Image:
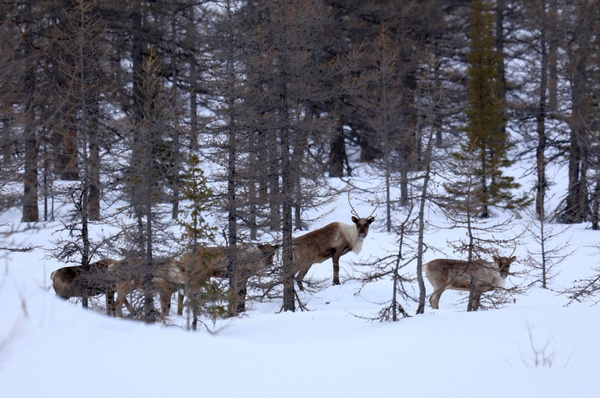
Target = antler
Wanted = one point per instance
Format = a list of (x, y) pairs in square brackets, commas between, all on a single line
[(355, 213), (376, 207), (353, 210)]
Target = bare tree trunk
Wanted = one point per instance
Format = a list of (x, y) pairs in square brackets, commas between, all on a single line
[(30, 178), (579, 67), (300, 144), (595, 216), (289, 299), (553, 43), (150, 314), (541, 184), (289, 294), (575, 210), (404, 168), (500, 9), (176, 137), (30, 181), (388, 200), (68, 155), (421, 237), (94, 162), (193, 90), (396, 277), (85, 238), (253, 196), (337, 151), (471, 265), (274, 188), (238, 305), (175, 176)]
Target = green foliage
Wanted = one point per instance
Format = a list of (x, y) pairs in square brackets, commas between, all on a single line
[(195, 189), (485, 88), (488, 141), (463, 191), (208, 298)]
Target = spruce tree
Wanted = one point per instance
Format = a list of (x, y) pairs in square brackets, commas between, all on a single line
[(201, 292), (487, 136), (195, 189)]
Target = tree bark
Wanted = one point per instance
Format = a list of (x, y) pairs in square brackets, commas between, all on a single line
[(541, 184), (94, 162), (30, 178), (337, 152)]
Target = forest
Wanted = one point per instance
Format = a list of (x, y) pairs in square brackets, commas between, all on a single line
[(167, 111)]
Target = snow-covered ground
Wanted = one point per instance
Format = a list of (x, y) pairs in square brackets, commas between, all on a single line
[(53, 348)]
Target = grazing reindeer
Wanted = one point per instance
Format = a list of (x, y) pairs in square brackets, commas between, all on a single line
[(455, 274), (167, 277), (74, 282), (332, 241), (212, 262)]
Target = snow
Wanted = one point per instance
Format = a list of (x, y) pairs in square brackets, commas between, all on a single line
[(52, 348)]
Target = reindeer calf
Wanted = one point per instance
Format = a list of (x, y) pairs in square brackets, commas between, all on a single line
[(455, 274)]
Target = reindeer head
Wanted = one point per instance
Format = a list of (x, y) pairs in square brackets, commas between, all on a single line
[(362, 224), (503, 264), (268, 252)]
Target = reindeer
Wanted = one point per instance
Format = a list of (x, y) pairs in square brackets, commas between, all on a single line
[(75, 282), (167, 277), (213, 262), (332, 241), (455, 274)]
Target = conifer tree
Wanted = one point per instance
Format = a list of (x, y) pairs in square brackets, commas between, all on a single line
[(198, 194), (195, 189), (487, 136), (461, 207), (148, 170)]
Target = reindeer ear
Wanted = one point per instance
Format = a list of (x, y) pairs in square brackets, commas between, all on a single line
[(354, 219), (513, 258), (370, 219)]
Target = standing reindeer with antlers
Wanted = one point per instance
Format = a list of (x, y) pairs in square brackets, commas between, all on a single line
[(332, 241)]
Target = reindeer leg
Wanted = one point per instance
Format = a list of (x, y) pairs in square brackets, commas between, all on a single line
[(242, 294), (434, 300), (110, 303), (336, 269), (165, 303), (119, 305), (122, 290), (476, 299), (301, 274), (179, 302), (129, 307)]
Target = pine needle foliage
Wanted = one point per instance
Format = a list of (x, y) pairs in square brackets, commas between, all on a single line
[(205, 296), (488, 140), (199, 195)]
